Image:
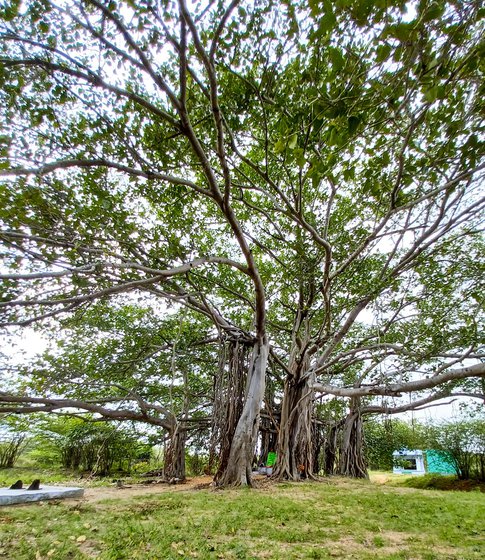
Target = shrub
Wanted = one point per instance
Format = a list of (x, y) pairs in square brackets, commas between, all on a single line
[(85, 445), (465, 443), (13, 439), (196, 464), (440, 482)]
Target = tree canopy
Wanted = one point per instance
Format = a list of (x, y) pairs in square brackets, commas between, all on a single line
[(305, 178)]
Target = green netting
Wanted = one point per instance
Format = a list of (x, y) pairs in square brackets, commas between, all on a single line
[(271, 460)]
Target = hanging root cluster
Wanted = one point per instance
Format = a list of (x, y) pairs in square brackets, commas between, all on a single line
[(229, 389), (352, 460), (174, 456), (295, 446)]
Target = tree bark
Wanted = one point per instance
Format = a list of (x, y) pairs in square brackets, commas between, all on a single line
[(352, 461), (295, 445), (268, 439), (229, 389), (318, 442), (174, 462), (331, 449), (239, 465)]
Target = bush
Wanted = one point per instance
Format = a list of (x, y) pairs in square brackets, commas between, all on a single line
[(196, 464), (440, 482), (465, 443), (41, 453), (85, 445), (10, 449), (13, 439), (100, 449)]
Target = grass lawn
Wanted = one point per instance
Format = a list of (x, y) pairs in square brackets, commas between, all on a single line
[(336, 518)]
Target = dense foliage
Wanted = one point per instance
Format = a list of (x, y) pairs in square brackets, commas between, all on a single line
[(303, 179), (13, 439), (465, 443)]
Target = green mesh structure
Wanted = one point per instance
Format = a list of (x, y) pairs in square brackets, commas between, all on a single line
[(439, 462), (271, 460)]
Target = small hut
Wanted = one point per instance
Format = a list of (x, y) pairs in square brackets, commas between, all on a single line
[(408, 461)]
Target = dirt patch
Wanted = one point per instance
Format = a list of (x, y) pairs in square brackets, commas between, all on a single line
[(92, 495), (89, 549), (380, 478), (387, 542)]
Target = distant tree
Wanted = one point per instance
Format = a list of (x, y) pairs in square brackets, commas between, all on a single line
[(464, 442), (14, 435), (96, 447), (126, 363)]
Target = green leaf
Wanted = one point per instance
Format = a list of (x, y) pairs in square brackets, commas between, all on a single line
[(383, 52), (328, 20), (435, 11), (292, 141), (349, 173), (280, 146), (431, 94), (315, 181), (11, 11), (353, 124), (361, 11), (327, 23), (44, 27), (300, 157), (333, 137), (386, 159), (314, 7), (337, 59), (401, 31)]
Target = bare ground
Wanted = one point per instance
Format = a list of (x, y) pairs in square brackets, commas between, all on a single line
[(96, 494), (93, 494)]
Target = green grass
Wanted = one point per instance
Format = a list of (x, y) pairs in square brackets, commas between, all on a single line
[(333, 519)]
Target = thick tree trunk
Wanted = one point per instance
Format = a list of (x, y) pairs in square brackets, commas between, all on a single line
[(352, 460), (239, 465), (268, 425), (295, 446), (174, 462)]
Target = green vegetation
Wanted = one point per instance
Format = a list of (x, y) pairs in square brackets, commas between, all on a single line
[(462, 441), (75, 444), (13, 436), (334, 519), (48, 476), (440, 482), (465, 443), (187, 185), (382, 438)]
